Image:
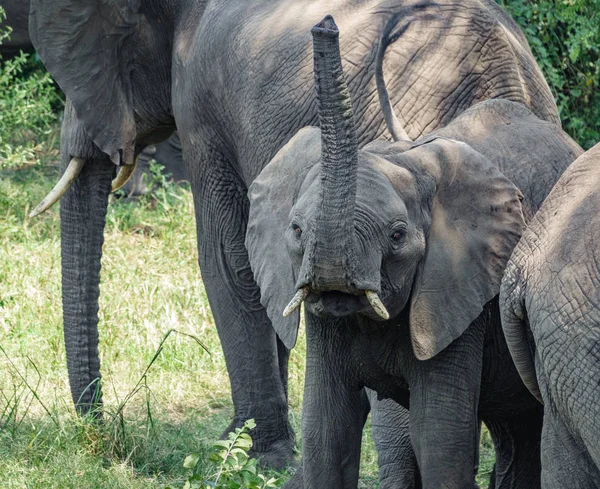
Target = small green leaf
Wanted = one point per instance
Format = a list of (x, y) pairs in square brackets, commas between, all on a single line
[(191, 460), (222, 443)]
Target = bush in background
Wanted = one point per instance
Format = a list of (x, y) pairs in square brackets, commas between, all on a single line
[(564, 36), (27, 98)]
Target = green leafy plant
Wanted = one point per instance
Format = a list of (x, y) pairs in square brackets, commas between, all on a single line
[(27, 99), (232, 467), (5, 31), (565, 39)]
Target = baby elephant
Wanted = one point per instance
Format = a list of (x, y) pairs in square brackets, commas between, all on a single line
[(398, 250), (550, 304)]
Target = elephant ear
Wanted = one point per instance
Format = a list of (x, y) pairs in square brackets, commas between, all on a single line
[(476, 221), (84, 45), (272, 196)]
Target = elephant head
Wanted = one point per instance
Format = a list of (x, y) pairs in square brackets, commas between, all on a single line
[(425, 225), (120, 101)]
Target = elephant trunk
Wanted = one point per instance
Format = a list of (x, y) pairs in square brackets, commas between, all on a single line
[(82, 216), (332, 261)]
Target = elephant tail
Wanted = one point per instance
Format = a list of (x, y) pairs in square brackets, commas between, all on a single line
[(392, 31), (392, 122), (516, 327)]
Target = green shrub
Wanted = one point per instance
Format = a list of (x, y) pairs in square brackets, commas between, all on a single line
[(564, 36), (232, 469), (27, 97)]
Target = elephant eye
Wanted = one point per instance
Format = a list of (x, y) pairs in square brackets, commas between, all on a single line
[(297, 229), (397, 235)]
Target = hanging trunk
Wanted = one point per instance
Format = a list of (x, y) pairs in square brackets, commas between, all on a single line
[(82, 216), (332, 261)]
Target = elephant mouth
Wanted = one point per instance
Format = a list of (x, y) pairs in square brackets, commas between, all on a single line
[(335, 303)]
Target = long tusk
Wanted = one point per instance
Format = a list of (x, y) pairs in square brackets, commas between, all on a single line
[(64, 184), (377, 305), (123, 176), (296, 300)]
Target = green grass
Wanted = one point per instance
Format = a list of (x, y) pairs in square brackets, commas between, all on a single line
[(150, 285)]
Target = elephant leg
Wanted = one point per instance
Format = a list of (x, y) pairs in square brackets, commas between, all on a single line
[(334, 412), (168, 154), (397, 463), (517, 445), (565, 461), (249, 341), (444, 426)]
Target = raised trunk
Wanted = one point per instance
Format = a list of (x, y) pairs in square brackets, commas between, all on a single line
[(334, 234), (82, 216)]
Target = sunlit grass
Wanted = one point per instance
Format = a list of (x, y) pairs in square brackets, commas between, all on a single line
[(151, 285)]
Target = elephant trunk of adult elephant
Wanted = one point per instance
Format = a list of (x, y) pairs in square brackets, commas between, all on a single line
[(82, 216), (331, 264)]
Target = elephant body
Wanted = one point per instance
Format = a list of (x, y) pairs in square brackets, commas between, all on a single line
[(549, 301), (237, 82)]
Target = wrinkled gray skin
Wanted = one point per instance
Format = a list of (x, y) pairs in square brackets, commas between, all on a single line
[(550, 315), (167, 153), (429, 226), (236, 78)]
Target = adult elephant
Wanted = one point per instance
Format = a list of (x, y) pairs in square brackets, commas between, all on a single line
[(398, 250), (236, 78), (549, 301), (167, 153)]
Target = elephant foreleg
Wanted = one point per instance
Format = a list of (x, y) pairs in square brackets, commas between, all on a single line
[(444, 426), (249, 342), (565, 461)]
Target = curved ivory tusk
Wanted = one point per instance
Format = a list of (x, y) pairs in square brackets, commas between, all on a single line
[(123, 176), (64, 184), (296, 300), (376, 304)]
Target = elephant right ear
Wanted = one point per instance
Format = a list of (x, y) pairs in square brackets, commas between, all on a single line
[(84, 46), (272, 196)]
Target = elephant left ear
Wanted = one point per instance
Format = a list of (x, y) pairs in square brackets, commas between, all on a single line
[(476, 221), (272, 196)]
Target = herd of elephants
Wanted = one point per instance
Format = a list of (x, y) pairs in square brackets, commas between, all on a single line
[(402, 172)]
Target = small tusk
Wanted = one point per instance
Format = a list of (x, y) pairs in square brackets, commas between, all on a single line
[(123, 176), (64, 184), (376, 304), (296, 300)]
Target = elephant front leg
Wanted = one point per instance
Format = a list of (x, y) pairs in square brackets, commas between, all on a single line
[(334, 411), (444, 426), (256, 363), (565, 461)]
